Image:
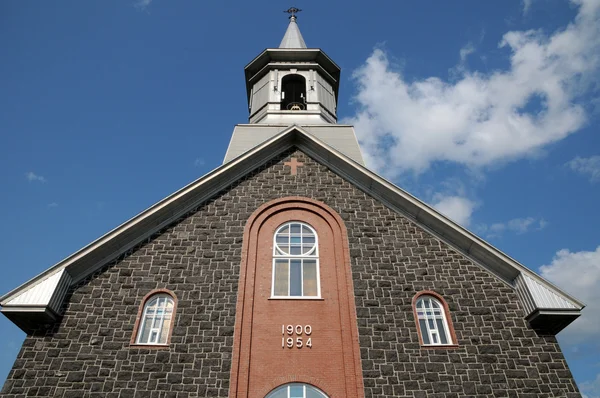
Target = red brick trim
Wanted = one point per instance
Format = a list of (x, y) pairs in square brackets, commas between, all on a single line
[(302, 209), (448, 320), (140, 313)]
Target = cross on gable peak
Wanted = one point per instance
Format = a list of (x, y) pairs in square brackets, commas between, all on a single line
[(293, 164)]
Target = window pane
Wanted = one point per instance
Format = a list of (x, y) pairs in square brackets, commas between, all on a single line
[(306, 230), (145, 331), (296, 250), (310, 278), (164, 332), (424, 334), (281, 278), (442, 330), (296, 392), (281, 393), (312, 393), (295, 278), (295, 239), (284, 230), (282, 239), (307, 249), (309, 239), (295, 228)]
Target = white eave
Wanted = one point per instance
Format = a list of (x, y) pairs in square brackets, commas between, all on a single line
[(543, 303)]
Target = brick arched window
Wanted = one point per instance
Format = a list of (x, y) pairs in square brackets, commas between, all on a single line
[(295, 283), (155, 320), (434, 324), (296, 390)]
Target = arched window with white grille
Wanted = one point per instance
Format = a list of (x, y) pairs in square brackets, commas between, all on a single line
[(155, 323), (295, 262), (296, 390), (433, 323)]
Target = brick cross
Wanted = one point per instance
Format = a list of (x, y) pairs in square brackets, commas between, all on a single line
[(294, 164)]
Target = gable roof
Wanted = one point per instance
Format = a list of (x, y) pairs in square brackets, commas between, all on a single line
[(39, 300)]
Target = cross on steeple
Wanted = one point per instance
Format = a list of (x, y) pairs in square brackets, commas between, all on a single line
[(292, 11)]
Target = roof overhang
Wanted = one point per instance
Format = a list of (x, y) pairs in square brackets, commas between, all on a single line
[(551, 321), (533, 290)]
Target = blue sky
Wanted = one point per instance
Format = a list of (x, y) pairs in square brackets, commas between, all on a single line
[(487, 110)]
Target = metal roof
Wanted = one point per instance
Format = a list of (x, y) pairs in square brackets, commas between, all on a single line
[(338, 136), (293, 37)]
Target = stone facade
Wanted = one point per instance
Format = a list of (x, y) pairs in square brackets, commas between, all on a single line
[(89, 355)]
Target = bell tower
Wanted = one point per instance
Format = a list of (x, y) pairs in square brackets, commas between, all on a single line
[(292, 84)]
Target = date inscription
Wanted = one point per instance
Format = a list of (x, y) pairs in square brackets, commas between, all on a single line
[(296, 336)]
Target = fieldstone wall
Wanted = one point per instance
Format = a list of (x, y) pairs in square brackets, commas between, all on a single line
[(88, 353)]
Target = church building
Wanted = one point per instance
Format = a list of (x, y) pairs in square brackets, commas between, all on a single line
[(290, 271)]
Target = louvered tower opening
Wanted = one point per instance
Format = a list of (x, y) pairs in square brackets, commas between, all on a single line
[(293, 93)]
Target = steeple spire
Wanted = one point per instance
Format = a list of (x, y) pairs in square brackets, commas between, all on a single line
[(293, 37)]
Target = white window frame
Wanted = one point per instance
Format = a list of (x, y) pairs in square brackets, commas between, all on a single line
[(433, 333), (168, 298), (304, 387), (313, 255)]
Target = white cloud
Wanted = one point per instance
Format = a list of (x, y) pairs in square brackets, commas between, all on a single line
[(457, 208), (589, 166), (143, 3), (466, 51), (579, 274), (591, 388), (516, 225), (199, 162), (527, 6), (480, 118), (53, 204), (31, 176)]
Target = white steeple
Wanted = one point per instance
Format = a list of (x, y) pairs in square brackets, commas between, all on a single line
[(293, 37), (293, 85)]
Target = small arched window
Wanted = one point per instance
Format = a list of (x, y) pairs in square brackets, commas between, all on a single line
[(296, 390), (295, 262), (155, 323), (433, 323), (293, 93)]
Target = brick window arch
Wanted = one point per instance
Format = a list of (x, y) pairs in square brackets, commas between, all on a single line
[(272, 331), (155, 319), (434, 324)]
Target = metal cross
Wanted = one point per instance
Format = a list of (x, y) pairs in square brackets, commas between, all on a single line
[(293, 11), (294, 164)]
